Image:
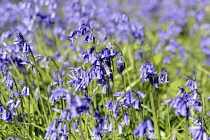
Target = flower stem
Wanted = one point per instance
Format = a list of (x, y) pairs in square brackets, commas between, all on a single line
[(157, 131), (186, 128)]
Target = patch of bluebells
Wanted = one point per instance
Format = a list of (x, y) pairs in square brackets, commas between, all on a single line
[(76, 106), (33, 15), (18, 53), (104, 126), (130, 100), (173, 47), (45, 15), (100, 69), (9, 110)]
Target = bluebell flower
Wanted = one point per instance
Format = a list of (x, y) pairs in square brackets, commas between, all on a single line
[(147, 71), (96, 114), (116, 113), (126, 120), (114, 106), (126, 103), (104, 88), (22, 83), (6, 115), (44, 61), (9, 82), (138, 55), (180, 104), (191, 83), (98, 42), (19, 38), (11, 105), (109, 104), (26, 48), (58, 93), (58, 81), (82, 30), (27, 62), (56, 130), (63, 116), (120, 64), (138, 33), (119, 94), (105, 123), (182, 91), (64, 137), (197, 131), (89, 55), (181, 108), (65, 128), (17, 104), (163, 77), (98, 130), (130, 97), (78, 106), (75, 126), (137, 104), (128, 100), (80, 78), (113, 53), (145, 128), (120, 129), (142, 95), (25, 91), (56, 110), (155, 82), (60, 129), (183, 103)]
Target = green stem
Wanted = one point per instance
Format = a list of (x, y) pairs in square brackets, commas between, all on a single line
[(45, 114), (186, 128), (26, 132), (157, 131), (80, 127)]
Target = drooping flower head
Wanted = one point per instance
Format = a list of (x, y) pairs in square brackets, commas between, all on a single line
[(144, 128), (198, 132)]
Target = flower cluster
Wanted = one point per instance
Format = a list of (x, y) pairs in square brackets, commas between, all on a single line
[(198, 132), (144, 128), (75, 108), (148, 73), (184, 102), (101, 67)]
